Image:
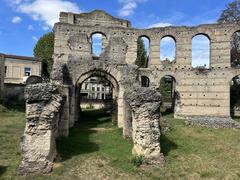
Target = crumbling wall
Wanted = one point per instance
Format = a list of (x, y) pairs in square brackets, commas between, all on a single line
[(145, 106), (38, 146), (200, 93)]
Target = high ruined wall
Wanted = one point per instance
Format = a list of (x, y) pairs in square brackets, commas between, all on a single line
[(201, 93), (52, 108)]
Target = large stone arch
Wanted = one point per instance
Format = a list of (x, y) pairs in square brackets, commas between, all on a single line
[(102, 74)]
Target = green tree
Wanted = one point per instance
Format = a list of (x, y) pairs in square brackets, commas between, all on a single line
[(165, 89), (232, 15), (142, 58), (44, 51)]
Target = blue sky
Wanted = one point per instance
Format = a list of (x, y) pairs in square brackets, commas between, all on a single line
[(22, 22)]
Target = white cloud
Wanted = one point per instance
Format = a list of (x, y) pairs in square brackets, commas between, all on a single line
[(45, 28), (30, 28), (16, 20), (34, 38), (45, 10), (160, 24), (129, 7)]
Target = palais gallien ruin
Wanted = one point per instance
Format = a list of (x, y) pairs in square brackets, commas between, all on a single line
[(53, 107)]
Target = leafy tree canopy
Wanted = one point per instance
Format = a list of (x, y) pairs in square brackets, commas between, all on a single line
[(44, 51), (142, 58), (232, 15)]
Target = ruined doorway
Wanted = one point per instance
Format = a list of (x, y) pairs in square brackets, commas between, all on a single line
[(168, 93), (97, 90), (235, 97)]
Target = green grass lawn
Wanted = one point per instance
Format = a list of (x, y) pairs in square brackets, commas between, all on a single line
[(95, 149)]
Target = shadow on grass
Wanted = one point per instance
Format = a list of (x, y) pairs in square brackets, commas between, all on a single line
[(167, 145), (166, 112), (3, 169), (79, 141), (91, 118)]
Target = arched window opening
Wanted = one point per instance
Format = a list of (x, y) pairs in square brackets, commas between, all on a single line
[(145, 81), (200, 52), (235, 50), (167, 50), (143, 45), (235, 97), (98, 41), (168, 93)]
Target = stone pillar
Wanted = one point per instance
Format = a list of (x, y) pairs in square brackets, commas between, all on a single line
[(120, 106), (220, 53), (145, 104), (72, 109), (114, 110), (64, 123), (131, 54), (127, 128), (38, 146), (155, 53), (184, 52)]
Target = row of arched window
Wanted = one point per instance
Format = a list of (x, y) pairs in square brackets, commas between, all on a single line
[(200, 49)]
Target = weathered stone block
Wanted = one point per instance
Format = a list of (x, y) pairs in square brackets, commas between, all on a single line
[(145, 105), (42, 115)]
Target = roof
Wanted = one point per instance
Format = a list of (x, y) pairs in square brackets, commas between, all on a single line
[(28, 58)]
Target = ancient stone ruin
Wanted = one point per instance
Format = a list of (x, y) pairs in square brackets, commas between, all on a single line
[(53, 107)]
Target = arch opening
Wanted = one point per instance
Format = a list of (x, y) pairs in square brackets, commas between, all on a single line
[(145, 82), (96, 90), (201, 51), (235, 97), (98, 43), (167, 89), (235, 50), (143, 50), (167, 50)]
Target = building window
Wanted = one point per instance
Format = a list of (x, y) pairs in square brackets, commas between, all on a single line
[(98, 88), (27, 71), (98, 96), (102, 88), (5, 70), (86, 86)]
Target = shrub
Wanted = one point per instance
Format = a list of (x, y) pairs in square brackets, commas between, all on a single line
[(137, 160)]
